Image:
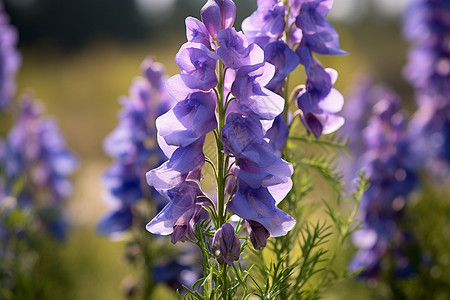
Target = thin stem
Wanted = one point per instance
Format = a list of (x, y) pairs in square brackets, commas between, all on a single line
[(220, 154), (224, 269), (211, 163)]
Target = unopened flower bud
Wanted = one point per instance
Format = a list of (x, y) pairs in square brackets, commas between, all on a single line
[(226, 245), (258, 234)]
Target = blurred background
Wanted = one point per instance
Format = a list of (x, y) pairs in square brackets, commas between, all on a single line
[(80, 56)]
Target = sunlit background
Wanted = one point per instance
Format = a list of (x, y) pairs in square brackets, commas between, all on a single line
[(79, 56)]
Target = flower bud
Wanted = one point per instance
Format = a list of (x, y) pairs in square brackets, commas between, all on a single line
[(258, 234), (218, 15), (226, 245)]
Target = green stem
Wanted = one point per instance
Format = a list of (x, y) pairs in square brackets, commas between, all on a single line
[(221, 168), (224, 269)]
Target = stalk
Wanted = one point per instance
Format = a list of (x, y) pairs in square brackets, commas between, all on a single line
[(221, 168)]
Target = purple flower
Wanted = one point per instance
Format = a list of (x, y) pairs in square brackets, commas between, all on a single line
[(188, 120), (318, 34), (263, 177), (253, 96), (218, 15), (235, 51), (198, 61), (181, 213), (10, 60), (226, 246), (185, 162), (259, 205), (319, 114), (278, 135), (198, 66), (196, 32), (285, 61), (116, 222), (266, 24)]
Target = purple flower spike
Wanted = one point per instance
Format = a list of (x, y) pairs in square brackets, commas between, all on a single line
[(266, 24), (10, 60), (285, 61), (226, 246), (258, 234), (253, 96), (188, 120), (36, 150), (218, 15), (235, 51)]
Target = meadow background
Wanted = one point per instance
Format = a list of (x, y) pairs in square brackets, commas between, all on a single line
[(80, 56)]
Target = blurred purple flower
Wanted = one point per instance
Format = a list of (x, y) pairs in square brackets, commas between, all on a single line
[(132, 144), (36, 150), (427, 25), (10, 60), (175, 273), (390, 165)]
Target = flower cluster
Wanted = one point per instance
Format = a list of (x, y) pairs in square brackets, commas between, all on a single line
[(35, 151), (133, 146), (390, 167), (427, 24), (222, 88), (302, 28), (9, 60)]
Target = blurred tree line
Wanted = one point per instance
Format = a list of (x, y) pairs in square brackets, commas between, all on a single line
[(73, 23)]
